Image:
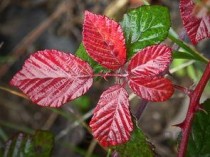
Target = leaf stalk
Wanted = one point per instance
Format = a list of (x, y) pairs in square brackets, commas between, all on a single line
[(188, 48)]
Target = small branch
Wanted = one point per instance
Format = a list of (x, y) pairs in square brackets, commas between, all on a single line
[(193, 108), (14, 92), (75, 124), (50, 121), (91, 148), (182, 89)]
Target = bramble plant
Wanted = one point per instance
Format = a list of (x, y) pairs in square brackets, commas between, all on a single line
[(131, 52)]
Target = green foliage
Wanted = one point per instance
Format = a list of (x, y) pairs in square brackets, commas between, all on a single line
[(25, 145), (144, 26), (190, 70), (184, 55), (83, 102), (137, 146), (199, 142)]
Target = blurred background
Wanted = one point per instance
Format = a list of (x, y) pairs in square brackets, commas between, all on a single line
[(30, 25)]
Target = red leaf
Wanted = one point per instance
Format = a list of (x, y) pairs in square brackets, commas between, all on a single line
[(104, 41), (111, 123), (150, 61), (197, 27), (52, 78), (151, 88)]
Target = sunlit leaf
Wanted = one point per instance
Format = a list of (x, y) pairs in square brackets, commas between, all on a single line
[(197, 27), (144, 26), (111, 122), (52, 78), (104, 41)]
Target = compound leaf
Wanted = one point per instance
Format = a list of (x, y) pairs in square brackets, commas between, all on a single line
[(104, 41), (111, 122), (144, 26), (145, 70), (52, 78), (197, 27)]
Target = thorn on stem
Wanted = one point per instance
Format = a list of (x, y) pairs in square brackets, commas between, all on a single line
[(105, 77), (200, 108), (180, 125)]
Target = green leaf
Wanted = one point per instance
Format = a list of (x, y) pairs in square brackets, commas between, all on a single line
[(81, 53), (137, 146), (183, 55), (25, 145), (199, 141), (144, 26), (43, 143)]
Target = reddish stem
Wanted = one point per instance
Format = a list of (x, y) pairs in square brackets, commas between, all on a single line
[(193, 108), (182, 89), (141, 109), (104, 75)]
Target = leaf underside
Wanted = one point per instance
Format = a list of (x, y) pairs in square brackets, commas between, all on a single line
[(52, 78), (197, 28), (104, 41), (144, 26), (111, 123), (145, 71)]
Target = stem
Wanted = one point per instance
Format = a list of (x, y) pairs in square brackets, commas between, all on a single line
[(193, 108), (108, 153), (104, 75), (187, 48), (91, 148), (14, 92), (182, 89), (141, 108)]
